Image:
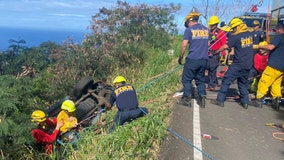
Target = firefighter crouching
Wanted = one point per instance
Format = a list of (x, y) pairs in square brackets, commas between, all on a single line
[(45, 134), (126, 101), (67, 115)]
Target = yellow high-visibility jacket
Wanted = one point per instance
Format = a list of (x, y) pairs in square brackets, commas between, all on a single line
[(69, 121)]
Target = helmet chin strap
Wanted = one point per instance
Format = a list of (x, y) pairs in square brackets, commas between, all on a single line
[(186, 24), (214, 27), (42, 125)]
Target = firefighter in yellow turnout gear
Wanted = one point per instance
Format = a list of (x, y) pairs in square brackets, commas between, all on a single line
[(67, 115), (273, 74)]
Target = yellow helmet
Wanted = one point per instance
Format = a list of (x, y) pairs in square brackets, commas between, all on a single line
[(213, 20), (38, 116), (119, 79), (192, 14), (226, 28), (263, 43), (255, 23), (235, 22), (68, 105)]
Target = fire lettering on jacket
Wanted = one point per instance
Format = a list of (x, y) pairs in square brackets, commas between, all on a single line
[(123, 89), (246, 42), (199, 34)]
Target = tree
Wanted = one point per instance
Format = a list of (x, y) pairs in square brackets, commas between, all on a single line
[(16, 105), (118, 34), (225, 10), (120, 37), (16, 46)]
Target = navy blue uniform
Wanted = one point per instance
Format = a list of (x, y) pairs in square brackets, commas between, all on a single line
[(239, 69), (214, 58), (276, 57), (126, 101), (196, 60), (258, 36)]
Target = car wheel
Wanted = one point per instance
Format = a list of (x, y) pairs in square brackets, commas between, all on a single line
[(82, 86), (56, 108), (85, 109)]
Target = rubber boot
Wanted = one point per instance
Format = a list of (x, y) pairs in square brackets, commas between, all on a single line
[(214, 101), (275, 103), (201, 101), (259, 102), (244, 105), (186, 101)]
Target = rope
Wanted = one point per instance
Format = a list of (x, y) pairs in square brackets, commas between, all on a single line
[(96, 117), (169, 130), (178, 136), (158, 78), (76, 133), (275, 135), (160, 123)]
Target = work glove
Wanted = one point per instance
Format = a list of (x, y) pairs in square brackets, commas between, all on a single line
[(255, 46), (180, 60), (59, 125)]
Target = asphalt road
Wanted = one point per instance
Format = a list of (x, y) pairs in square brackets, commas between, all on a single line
[(237, 133)]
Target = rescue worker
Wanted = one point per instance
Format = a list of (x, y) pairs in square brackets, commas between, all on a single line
[(259, 63), (218, 39), (67, 115), (45, 134), (258, 35), (241, 40), (126, 101), (273, 74), (222, 24), (197, 37), (226, 57)]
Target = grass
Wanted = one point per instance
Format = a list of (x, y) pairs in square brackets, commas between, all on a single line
[(155, 81)]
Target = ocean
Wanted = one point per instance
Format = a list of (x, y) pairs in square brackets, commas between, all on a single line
[(34, 37)]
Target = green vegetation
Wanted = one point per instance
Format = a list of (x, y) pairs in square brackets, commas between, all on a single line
[(141, 138), (128, 40)]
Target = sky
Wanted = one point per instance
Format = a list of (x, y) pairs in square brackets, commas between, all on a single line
[(74, 16), (70, 14), (56, 14)]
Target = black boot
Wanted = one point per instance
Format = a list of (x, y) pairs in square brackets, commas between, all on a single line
[(257, 102), (244, 105), (214, 101), (275, 103), (186, 101), (201, 101)]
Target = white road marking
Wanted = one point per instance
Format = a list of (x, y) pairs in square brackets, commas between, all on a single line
[(197, 155)]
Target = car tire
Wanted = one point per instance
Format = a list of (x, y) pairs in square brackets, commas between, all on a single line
[(56, 108), (85, 109), (82, 86)]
